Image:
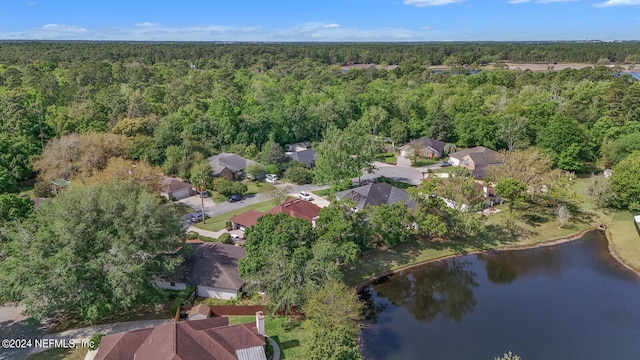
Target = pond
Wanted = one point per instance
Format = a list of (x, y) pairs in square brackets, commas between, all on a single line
[(569, 301)]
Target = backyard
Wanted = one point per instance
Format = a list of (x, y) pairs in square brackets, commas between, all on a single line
[(286, 331)]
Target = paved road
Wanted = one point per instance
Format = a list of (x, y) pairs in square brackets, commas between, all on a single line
[(406, 174)]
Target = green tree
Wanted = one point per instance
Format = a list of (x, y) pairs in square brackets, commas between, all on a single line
[(93, 251), (344, 154), (625, 184), (565, 139), (201, 175), (391, 224), (340, 227), (333, 312), (512, 189), (280, 260), (14, 207), (227, 187)]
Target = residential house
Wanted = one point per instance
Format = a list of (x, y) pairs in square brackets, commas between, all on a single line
[(426, 148), (476, 159), (307, 157), (376, 194), (230, 166), (174, 189), (296, 208), (211, 338), (212, 268)]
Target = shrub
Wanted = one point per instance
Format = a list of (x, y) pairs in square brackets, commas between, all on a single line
[(227, 187), (272, 169), (94, 342), (299, 175), (227, 225), (225, 238)]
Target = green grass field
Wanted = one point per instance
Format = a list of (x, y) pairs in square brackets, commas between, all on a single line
[(288, 337), (218, 223)]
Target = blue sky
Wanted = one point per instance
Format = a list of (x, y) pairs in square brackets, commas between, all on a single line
[(326, 20)]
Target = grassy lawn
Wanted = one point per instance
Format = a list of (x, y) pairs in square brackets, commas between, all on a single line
[(287, 336), (389, 158), (217, 223), (423, 162), (61, 354), (183, 209), (446, 170), (323, 192), (625, 238), (257, 187)]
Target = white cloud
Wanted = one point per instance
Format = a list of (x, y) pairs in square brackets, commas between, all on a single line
[(147, 24), (31, 3), (423, 3), (540, 1), (610, 3), (62, 28), (331, 26)]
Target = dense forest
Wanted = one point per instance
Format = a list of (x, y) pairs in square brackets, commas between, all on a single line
[(174, 103)]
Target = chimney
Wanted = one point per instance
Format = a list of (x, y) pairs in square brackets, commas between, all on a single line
[(260, 322)]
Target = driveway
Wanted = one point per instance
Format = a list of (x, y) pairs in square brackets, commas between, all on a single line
[(14, 325)]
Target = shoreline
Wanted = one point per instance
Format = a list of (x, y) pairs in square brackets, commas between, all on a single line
[(548, 243)]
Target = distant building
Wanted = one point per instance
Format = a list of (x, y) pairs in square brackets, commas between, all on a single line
[(305, 145)]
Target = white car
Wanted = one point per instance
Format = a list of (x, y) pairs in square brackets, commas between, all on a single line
[(271, 178), (305, 196)]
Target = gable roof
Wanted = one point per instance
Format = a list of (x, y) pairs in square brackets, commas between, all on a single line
[(307, 157), (376, 194), (293, 207), (425, 142), (213, 265), (297, 208), (196, 339), (229, 161), (200, 309), (480, 155), (247, 218), (169, 185)]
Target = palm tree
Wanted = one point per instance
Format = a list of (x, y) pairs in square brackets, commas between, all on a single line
[(200, 177)]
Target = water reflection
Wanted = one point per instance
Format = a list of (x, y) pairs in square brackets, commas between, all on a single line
[(442, 288), (505, 267)]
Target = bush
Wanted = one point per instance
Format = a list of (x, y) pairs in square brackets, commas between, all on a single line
[(227, 225), (299, 175), (94, 342), (227, 187), (225, 238), (272, 169)]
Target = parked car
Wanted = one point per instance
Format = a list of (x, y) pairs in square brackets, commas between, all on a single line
[(444, 163), (271, 178), (197, 216), (235, 197), (305, 196)]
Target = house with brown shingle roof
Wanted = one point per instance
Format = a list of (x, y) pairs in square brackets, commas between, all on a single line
[(211, 338), (174, 189), (293, 207), (476, 159)]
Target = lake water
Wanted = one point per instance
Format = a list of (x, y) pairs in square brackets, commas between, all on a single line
[(570, 301)]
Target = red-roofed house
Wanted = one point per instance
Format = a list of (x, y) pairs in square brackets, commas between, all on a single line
[(296, 208), (210, 338)]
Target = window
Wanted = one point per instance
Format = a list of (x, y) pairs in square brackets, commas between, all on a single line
[(173, 284)]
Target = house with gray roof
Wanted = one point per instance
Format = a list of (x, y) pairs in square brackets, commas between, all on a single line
[(211, 267), (307, 157), (376, 194), (230, 166), (426, 147), (174, 189)]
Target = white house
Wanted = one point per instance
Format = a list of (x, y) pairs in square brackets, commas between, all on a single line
[(212, 269)]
